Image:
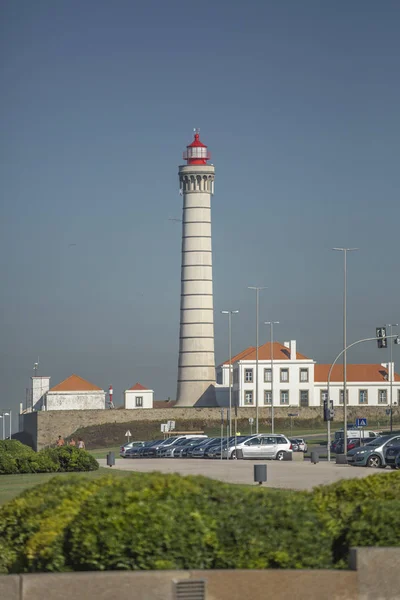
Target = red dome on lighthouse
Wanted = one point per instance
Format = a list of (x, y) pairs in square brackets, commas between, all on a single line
[(197, 152)]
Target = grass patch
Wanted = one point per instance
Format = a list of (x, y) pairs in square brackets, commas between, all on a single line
[(13, 485)]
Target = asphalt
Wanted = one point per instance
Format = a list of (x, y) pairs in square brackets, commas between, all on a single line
[(289, 475)]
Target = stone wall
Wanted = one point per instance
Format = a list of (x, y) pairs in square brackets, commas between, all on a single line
[(376, 577), (51, 424)]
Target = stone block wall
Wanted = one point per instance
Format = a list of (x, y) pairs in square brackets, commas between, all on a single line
[(46, 426)]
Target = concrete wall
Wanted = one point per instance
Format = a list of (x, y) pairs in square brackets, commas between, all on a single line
[(146, 395), (376, 577), (51, 424), (76, 400)]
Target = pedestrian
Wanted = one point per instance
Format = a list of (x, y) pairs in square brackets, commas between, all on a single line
[(81, 444), (72, 442), (60, 441)]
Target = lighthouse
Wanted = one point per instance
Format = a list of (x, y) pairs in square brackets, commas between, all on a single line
[(196, 367)]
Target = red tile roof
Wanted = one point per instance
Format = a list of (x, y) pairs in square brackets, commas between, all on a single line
[(74, 383), (239, 356), (137, 387), (280, 352), (361, 373)]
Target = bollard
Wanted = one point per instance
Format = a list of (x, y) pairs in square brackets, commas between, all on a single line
[(260, 473), (111, 459), (341, 459), (314, 457)]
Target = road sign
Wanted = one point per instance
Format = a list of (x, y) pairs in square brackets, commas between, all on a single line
[(361, 422), (128, 434), (171, 425), (251, 420), (164, 427)]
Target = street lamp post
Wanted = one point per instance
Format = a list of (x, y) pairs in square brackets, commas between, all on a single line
[(272, 323), (4, 430), (345, 251), (257, 332), (230, 313), (391, 373)]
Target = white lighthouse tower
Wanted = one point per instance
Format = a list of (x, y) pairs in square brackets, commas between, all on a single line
[(196, 368)]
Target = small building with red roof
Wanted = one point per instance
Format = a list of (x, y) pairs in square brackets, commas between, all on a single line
[(75, 393), (139, 396)]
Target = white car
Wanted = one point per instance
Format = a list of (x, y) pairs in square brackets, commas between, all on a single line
[(263, 445)]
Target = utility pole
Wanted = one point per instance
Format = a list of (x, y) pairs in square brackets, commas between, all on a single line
[(257, 333), (391, 372), (230, 313), (272, 323), (345, 251)]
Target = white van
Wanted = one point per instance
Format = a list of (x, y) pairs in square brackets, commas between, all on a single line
[(364, 434)]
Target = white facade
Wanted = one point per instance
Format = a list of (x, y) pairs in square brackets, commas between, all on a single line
[(40, 387), (196, 366), (75, 400), (139, 397), (299, 382)]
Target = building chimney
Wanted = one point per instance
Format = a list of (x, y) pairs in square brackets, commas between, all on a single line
[(40, 387), (293, 354), (286, 344)]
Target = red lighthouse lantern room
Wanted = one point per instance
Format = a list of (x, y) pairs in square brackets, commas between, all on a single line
[(196, 153)]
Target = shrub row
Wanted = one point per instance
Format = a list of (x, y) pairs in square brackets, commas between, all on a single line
[(156, 521), (18, 458)]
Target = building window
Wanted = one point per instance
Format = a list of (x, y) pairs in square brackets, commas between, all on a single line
[(139, 401), (284, 375), (363, 396), (236, 376), (248, 375), (382, 396), (303, 397), (267, 397), (267, 375), (323, 396), (248, 397), (304, 375), (284, 396), (341, 396)]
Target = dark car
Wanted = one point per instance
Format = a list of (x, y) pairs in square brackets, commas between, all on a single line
[(185, 446), (133, 451), (392, 457), (351, 444), (200, 451), (191, 449), (146, 448)]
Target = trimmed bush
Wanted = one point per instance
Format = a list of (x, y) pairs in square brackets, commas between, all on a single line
[(18, 458), (157, 521)]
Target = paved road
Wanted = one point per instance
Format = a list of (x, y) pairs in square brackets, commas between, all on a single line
[(290, 475)]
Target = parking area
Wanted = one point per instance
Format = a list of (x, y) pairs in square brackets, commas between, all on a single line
[(280, 474)]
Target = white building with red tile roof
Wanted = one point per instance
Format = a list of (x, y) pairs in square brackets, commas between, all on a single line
[(138, 396), (74, 393), (297, 381)]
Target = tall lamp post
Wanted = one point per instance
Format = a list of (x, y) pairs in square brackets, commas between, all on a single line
[(230, 313), (271, 324), (391, 372), (345, 251), (257, 332)]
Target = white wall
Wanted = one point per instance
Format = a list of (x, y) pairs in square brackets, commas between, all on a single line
[(75, 400), (131, 395), (354, 388), (293, 386), (40, 386)]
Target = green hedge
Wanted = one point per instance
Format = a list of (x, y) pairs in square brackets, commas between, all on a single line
[(18, 458), (156, 521)]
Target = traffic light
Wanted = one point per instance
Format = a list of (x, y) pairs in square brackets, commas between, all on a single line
[(328, 410), (381, 335), (397, 340)]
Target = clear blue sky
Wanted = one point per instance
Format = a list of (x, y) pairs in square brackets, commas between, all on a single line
[(299, 105)]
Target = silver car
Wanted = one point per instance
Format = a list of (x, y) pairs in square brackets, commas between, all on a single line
[(264, 445)]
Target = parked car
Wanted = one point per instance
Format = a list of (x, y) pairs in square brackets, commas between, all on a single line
[(200, 450), (353, 443), (273, 446), (373, 453), (182, 449), (392, 457), (168, 443), (143, 452), (298, 444), (131, 450), (168, 450)]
